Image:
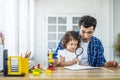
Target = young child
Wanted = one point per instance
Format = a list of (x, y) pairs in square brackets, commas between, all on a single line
[(70, 42)]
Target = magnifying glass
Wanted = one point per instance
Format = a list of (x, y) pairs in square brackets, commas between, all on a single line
[(79, 51)]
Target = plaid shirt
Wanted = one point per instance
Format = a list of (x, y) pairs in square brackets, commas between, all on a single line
[(95, 52)]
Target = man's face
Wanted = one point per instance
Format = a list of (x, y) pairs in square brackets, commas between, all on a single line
[(86, 33)]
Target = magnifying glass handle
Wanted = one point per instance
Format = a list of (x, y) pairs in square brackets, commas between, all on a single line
[(77, 56)]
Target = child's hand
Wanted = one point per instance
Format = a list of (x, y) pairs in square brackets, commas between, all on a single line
[(75, 60), (56, 63)]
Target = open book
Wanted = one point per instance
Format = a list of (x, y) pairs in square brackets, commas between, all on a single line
[(79, 67)]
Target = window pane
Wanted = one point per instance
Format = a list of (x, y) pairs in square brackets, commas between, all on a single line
[(76, 20), (51, 44), (51, 20), (60, 36), (61, 28), (61, 20), (51, 36), (51, 28), (75, 28)]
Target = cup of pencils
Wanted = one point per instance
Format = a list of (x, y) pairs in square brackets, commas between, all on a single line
[(25, 63)]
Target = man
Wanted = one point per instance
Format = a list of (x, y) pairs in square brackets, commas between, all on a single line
[(93, 53)]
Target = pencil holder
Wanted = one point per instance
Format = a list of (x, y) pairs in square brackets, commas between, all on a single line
[(25, 66)]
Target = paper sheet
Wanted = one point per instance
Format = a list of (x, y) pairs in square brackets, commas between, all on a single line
[(79, 67)]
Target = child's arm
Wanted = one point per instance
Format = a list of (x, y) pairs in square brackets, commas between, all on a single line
[(68, 63)]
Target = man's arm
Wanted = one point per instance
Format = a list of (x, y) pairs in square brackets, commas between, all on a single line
[(101, 56), (96, 53), (59, 47), (103, 61)]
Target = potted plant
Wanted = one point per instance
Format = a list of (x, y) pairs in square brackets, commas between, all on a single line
[(117, 45)]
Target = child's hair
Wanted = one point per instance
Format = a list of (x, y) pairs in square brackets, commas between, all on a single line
[(68, 36)]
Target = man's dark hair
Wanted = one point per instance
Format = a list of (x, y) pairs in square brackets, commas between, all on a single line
[(87, 21), (68, 36)]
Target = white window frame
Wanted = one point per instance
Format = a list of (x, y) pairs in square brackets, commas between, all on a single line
[(69, 24)]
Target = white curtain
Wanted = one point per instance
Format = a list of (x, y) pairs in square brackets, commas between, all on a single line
[(19, 26), (1, 16)]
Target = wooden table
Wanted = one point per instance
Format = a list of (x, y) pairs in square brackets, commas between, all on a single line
[(62, 74)]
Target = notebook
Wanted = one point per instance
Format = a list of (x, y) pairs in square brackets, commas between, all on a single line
[(79, 67)]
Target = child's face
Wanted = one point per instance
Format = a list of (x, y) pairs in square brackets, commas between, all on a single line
[(72, 45)]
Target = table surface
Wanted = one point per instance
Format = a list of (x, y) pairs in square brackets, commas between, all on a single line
[(62, 74)]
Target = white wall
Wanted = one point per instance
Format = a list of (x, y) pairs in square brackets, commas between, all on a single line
[(102, 10), (117, 22)]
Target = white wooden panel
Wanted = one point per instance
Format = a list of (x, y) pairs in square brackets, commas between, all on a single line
[(40, 34)]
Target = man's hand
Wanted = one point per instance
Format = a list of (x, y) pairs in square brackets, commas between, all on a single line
[(111, 64)]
